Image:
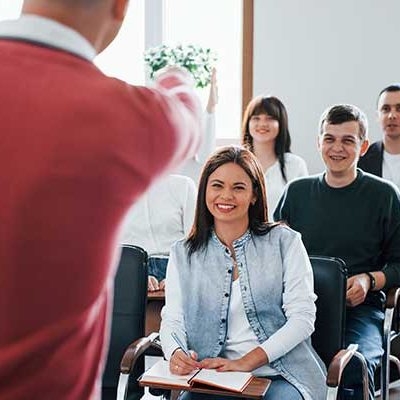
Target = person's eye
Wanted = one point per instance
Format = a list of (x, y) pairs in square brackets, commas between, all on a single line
[(328, 140), (216, 185), (349, 141), (398, 108), (385, 109), (239, 188)]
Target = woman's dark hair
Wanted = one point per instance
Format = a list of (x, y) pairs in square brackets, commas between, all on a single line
[(204, 221), (275, 109)]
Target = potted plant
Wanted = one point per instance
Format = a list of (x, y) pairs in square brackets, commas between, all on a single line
[(197, 60)]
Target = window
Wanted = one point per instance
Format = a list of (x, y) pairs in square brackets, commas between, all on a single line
[(10, 9), (210, 23), (216, 24), (123, 59)]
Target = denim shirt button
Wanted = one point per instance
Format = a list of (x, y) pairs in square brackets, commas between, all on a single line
[(226, 294), (229, 271), (223, 320), (221, 343), (244, 287)]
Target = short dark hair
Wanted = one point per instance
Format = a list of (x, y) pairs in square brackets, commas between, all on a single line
[(204, 221), (340, 113), (274, 108), (394, 87)]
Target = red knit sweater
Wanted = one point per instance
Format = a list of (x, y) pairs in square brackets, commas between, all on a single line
[(76, 149)]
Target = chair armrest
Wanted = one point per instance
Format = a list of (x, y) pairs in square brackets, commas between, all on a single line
[(338, 364), (136, 349), (392, 297)]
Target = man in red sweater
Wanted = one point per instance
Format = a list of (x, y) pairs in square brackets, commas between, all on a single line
[(76, 150)]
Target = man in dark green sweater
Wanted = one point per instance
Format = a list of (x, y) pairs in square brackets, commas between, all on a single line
[(353, 215)]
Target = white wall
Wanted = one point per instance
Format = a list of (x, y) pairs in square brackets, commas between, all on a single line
[(313, 53)]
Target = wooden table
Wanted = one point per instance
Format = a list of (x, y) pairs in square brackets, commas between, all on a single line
[(155, 302)]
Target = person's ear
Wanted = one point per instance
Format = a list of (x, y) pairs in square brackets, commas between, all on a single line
[(319, 137), (119, 9), (364, 147)]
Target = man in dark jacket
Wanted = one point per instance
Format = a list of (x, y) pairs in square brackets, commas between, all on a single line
[(383, 157)]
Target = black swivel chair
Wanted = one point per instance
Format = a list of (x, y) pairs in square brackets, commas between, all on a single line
[(128, 320)]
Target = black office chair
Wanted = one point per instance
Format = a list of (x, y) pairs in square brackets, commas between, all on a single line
[(328, 339), (128, 320)]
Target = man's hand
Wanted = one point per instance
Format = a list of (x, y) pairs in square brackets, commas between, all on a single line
[(357, 289), (153, 284), (181, 364)]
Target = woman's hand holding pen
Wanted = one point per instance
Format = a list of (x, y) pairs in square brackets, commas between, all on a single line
[(181, 364)]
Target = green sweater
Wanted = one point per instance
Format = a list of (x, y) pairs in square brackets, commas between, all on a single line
[(360, 223)]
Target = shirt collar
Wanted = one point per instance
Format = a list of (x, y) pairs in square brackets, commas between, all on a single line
[(48, 32), (236, 243)]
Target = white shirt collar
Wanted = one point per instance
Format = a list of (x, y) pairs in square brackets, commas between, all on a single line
[(48, 32)]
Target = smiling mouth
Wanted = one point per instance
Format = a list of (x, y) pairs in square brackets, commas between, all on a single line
[(225, 207), (392, 126), (337, 158)]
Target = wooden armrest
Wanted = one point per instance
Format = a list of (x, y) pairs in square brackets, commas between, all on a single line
[(135, 350), (392, 297), (338, 364)]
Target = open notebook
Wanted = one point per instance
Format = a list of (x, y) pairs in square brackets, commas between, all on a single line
[(159, 373)]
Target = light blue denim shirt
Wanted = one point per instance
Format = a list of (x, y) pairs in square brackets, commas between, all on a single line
[(198, 297)]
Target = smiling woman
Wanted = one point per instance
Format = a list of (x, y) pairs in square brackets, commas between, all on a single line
[(234, 257)]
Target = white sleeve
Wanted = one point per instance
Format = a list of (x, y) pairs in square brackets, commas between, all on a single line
[(298, 303), (172, 313), (189, 206)]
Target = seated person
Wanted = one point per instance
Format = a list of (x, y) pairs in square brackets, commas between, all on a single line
[(383, 157), (161, 217), (350, 214), (265, 132), (239, 290)]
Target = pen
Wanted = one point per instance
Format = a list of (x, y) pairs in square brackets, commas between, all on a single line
[(180, 344)]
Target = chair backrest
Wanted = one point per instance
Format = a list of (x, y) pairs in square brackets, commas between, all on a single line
[(128, 318), (330, 276)]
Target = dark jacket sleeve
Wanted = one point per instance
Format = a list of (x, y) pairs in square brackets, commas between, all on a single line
[(371, 161)]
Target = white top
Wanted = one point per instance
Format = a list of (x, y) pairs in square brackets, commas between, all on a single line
[(193, 167), (49, 32), (240, 337), (391, 168), (295, 167), (162, 216), (299, 313)]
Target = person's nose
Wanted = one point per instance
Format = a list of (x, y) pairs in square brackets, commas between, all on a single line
[(393, 114), (227, 194), (337, 146)]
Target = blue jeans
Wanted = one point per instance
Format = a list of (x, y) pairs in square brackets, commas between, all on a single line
[(364, 326), (280, 389), (158, 267)]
